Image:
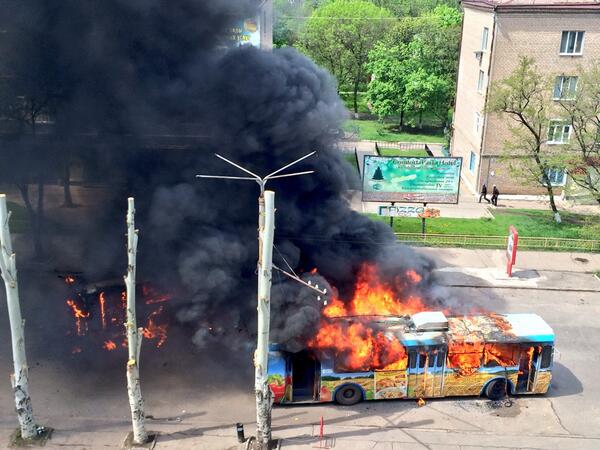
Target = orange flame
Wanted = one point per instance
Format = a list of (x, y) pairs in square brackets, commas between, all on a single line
[(374, 297), (359, 348), (79, 314), (153, 330), (102, 300), (70, 279), (358, 345), (109, 345)]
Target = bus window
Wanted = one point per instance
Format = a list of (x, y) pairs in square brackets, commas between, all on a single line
[(546, 357), (422, 359), (440, 359), (412, 357), (500, 355)]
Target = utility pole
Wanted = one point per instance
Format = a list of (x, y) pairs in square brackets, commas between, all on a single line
[(134, 334), (19, 378), (266, 230)]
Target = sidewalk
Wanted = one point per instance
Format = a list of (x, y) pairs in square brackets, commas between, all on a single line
[(526, 260)]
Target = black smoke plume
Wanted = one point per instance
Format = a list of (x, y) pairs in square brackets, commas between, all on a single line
[(145, 92)]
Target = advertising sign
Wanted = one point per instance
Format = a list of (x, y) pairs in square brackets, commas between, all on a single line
[(246, 32), (411, 180), (401, 211)]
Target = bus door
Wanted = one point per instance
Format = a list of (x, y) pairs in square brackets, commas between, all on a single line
[(306, 377), (529, 366), (425, 377), (437, 370)]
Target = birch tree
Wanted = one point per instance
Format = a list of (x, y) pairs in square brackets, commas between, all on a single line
[(582, 110), (524, 97), (134, 334), (19, 378)]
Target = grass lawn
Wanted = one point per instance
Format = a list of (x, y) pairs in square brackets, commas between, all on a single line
[(351, 158), (398, 152), (372, 130), (533, 223)]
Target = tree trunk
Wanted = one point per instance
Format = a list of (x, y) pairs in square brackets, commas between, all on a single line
[(552, 203), (264, 398), (401, 119), (420, 120), (19, 379), (355, 93), (67, 186), (134, 335), (36, 237)]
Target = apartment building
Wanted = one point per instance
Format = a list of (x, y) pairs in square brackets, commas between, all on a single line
[(560, 35)]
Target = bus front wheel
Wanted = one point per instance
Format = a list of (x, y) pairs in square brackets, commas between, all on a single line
[(496, 390), (348, 395)]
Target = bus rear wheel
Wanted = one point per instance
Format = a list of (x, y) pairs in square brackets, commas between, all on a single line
[(348, 395), (496, 390)]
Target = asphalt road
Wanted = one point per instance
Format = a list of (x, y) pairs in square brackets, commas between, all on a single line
[(190, 397)]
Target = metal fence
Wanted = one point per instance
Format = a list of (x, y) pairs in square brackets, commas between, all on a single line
[(403, 146), (479, 241)]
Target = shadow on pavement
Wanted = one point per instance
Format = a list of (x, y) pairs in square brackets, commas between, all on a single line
[(564, 382)]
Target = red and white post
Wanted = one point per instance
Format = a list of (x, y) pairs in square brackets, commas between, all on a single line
[(511, 249)]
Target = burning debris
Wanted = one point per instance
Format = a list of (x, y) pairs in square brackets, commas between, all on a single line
[(101, 310)]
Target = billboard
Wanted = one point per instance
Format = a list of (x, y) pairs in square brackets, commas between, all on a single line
[(246, 32), (411, 179)]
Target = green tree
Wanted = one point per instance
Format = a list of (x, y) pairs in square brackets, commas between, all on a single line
[(582, 111), (386, 91), (414, 68), (427, 92), (339, 36), (289, 19), (403, 8), (524, 97)]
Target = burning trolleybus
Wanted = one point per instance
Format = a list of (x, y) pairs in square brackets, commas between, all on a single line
[(488, 354)]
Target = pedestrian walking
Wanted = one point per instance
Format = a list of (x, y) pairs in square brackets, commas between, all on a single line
[(484, 194), (495, 194)]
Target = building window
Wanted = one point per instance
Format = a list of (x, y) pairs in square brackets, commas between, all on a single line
[(484, 38), (557, 177), (571, 43), (558, 132), (472, 160), (477, 123), (564, 88), (480, 82)]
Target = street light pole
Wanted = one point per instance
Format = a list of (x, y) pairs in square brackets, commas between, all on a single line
[(266, 231)]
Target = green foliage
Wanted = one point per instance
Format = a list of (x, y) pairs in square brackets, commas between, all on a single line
[(403, 8), (288, 20), (389, 71), (426, 91), (363, 104), (414, 68), (339, 36)]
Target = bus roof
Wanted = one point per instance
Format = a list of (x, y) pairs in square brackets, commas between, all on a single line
[(498, 328)]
